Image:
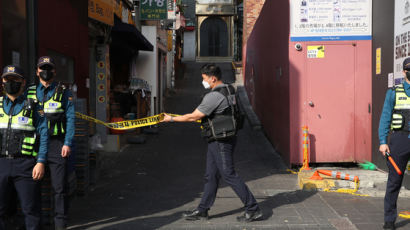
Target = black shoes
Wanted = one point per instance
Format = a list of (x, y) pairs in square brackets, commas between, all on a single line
[(195, 215), (250, 216), (389, 225)]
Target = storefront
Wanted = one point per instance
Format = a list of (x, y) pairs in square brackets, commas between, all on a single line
[(126, 99), (114, 46)]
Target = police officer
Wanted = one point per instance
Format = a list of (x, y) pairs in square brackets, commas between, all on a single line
[(58, 108), (23, 141), (396, 117), (216, 105)]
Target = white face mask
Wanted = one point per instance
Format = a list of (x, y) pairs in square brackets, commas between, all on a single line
[(206, 84)]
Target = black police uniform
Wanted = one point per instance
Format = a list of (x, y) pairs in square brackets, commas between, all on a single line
[(23, 140), (55, 101)]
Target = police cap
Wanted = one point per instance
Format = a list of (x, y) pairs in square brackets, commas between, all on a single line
[(13, 70), (406, 64), (45, 60)]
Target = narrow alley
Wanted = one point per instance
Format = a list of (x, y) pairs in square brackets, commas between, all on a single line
[(149, 186)]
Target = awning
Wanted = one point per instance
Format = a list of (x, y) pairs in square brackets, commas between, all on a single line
[(122, 32)]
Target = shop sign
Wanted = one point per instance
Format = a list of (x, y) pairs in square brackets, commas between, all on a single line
[(171, 6), (102, 11), (330, 20), (153, 10), (215, 9), (401, 38)]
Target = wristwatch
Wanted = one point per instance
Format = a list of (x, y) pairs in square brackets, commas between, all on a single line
[(172, 119)]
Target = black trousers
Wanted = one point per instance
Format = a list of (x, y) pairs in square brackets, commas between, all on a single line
[(17, 173), (400, 152), (58, 173), (219, 163)]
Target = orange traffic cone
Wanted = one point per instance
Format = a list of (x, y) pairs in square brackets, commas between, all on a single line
[(316, 176), (339, 175)]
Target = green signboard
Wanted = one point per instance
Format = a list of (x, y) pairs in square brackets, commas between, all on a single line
[(154, 9)]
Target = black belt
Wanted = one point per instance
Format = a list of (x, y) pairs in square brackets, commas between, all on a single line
[(15, 156), (401, 131)]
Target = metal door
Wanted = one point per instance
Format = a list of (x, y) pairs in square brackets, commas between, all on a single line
[(330, 103)]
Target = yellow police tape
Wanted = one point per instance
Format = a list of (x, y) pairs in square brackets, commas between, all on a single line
[(348, 191), (405, 214), (130, 124)]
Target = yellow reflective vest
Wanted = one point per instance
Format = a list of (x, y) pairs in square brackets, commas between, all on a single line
[(17, 133), (53, 109), (401, 111)]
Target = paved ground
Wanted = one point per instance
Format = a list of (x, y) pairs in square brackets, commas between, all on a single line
[(148, 186)]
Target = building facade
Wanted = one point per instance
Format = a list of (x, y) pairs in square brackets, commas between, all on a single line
[(305, 71)]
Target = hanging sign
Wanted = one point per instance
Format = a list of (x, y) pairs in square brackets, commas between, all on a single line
[(171, 7), (153, 10)]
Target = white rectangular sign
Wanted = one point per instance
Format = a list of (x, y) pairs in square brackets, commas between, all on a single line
[(401, 38), (328, 20)]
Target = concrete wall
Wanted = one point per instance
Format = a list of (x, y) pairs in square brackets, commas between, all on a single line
[(383, 37), (189, 46), (147, 63)]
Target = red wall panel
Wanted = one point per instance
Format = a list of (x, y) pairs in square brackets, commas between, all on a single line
[(276, 80), (62, 27), (267, 72)]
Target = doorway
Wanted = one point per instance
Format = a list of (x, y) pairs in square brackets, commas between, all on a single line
[(331, 103), (214, 37)]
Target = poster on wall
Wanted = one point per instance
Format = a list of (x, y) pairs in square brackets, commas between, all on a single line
[(330, 20), (401, 37)]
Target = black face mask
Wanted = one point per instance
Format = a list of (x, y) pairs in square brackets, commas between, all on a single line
[(12, 87), (46, 75), (408, 75)]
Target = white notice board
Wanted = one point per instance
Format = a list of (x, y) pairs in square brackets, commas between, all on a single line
[(329, 20)]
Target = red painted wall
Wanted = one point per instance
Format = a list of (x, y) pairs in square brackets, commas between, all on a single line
[(62, 27), (266, 57), (276, 79), (362, 128)]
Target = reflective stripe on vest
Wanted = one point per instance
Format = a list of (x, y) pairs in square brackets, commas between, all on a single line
[(21, 123), (402, 104)]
